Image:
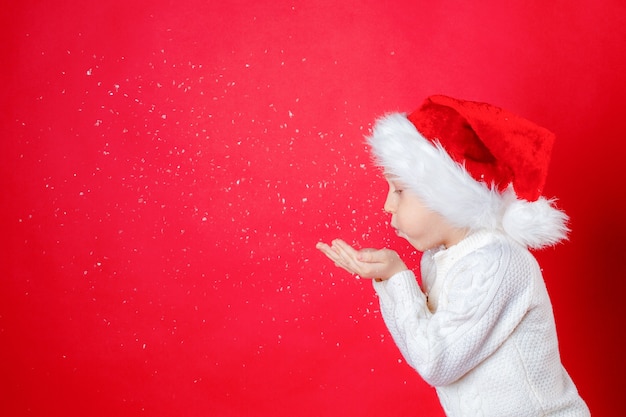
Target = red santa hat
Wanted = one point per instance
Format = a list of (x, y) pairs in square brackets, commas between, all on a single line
[(478, 165)]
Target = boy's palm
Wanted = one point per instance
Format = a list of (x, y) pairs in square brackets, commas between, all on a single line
[(380, 264)]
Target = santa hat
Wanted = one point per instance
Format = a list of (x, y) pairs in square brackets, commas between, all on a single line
[(478, 165)]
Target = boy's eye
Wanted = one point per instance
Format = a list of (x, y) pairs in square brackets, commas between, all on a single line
[(398, 191)]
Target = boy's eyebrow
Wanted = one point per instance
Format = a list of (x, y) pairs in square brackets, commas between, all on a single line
[(395, 181)]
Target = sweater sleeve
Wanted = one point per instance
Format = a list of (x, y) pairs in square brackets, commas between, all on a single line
[(484, 298)]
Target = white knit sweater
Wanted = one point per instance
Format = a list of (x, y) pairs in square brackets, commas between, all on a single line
[(482, 331)]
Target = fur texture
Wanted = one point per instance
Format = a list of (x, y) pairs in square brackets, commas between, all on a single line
[(447, 188)]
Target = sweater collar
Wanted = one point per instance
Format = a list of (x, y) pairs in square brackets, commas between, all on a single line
[(445, 257)]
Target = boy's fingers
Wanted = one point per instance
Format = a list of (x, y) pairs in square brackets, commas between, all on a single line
[(366, 263), (327, 250), (340, 244), (345, 251), (322, 246), (369, 256), (375, 256), (358, 262), (348, 258), (334, 255)]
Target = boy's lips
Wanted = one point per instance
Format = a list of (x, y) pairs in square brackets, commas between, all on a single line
[(398, 231)]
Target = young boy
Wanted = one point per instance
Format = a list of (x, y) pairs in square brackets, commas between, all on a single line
[(465, 182)]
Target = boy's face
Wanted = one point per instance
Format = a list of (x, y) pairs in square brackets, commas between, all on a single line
[(423, 228)]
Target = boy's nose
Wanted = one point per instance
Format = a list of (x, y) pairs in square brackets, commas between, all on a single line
[(388, 207)]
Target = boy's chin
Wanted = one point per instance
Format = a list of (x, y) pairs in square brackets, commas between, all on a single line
[(419, 246), (415, 243)]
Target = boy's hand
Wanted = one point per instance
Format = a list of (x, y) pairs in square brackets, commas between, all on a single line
[(380, 264)]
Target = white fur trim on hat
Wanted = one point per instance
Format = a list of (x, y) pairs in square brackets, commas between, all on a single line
[(448, 189)]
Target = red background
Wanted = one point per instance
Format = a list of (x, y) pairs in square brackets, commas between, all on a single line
[(168, 167)]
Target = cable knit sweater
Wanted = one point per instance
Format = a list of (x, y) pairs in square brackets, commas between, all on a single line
[(482, 331)]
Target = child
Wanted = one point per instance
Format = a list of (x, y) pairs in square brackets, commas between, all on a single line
[(465, 182)]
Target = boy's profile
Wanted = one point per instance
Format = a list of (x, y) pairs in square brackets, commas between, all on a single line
[(465, 188)]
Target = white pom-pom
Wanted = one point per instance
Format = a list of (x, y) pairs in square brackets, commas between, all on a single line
[(536, 224)]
